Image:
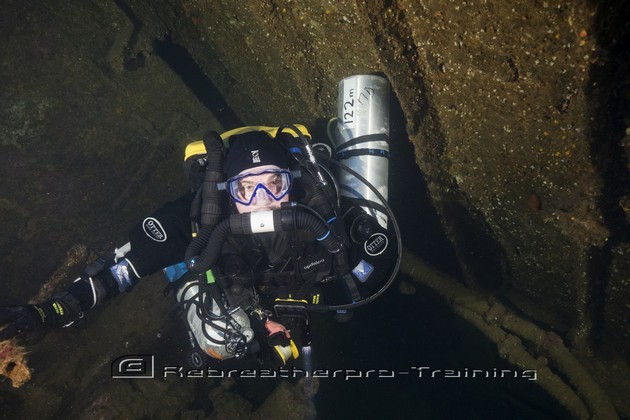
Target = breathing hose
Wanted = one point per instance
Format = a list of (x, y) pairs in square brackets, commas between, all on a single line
[(286, 218)]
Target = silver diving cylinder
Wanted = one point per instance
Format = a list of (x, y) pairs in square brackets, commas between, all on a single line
[(362, 139)]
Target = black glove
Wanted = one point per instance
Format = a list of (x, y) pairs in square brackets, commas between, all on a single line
[(61, 310), (18, 319)]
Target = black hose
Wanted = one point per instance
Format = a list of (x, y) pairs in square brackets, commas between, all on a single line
[(202, 313), (314, 182), (210, 248), (394, 223), (210, 195), (308, 162), (210, 209), (339, 236), (199, 242), (285, 219), (327, 237)]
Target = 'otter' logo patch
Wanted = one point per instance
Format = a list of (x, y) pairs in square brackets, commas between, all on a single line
[(376, 244), (154, 229)]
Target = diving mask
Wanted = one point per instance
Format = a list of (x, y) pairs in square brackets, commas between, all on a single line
[(245, 188)]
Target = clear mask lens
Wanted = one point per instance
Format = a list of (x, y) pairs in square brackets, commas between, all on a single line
[(245, 188)]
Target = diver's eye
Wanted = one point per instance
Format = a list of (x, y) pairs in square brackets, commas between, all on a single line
[(275, 184), (245, 188)]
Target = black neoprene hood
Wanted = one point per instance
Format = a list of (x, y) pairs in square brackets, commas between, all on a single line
[(251, 150)]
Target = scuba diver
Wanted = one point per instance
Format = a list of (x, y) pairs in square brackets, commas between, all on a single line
[(274, 228)]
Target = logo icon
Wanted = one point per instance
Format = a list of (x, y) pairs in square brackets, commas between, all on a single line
[(376, 244), (313, 264), (154, 229), (255, 156), (136, 366)]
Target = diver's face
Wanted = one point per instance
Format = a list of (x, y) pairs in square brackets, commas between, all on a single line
[(260, 187)]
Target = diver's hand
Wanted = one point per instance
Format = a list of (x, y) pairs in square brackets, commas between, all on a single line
[(18, 319), (59, 311)]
